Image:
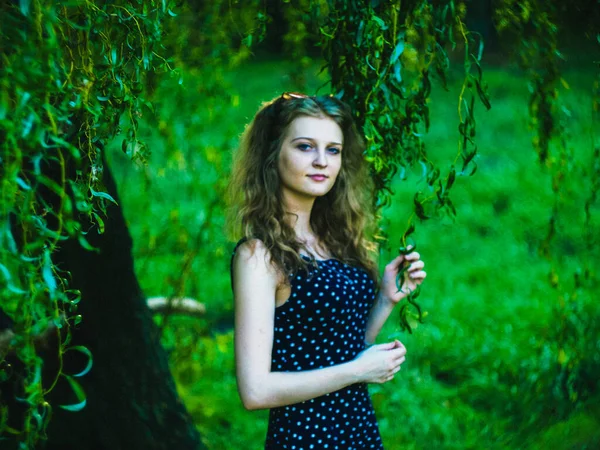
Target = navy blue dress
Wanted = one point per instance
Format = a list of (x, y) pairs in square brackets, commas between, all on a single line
[(322, 324)]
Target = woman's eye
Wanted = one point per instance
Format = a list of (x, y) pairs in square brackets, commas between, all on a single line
[(304, 147), (334, 150)]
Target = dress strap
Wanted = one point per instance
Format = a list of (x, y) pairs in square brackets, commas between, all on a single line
[(240, 242)]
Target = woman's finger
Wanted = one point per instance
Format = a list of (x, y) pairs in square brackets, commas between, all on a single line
[(401, 360), (399, 350), (418, 275), (414, 256), (415, 266)]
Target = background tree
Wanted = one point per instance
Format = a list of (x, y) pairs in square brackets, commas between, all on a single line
[(69, 73)]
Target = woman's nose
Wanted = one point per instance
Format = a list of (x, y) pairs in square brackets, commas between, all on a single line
[(320, 159)]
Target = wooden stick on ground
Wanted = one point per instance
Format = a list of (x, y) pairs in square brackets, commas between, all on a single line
[(185, 305)]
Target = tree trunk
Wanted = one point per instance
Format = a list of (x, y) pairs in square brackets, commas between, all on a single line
[(132, 402)]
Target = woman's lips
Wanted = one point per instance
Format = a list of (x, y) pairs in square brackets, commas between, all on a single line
[(318, 177)]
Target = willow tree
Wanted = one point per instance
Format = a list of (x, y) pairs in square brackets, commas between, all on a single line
[(85, 366)]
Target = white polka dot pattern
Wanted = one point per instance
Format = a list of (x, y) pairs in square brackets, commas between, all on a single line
[(323, 323)]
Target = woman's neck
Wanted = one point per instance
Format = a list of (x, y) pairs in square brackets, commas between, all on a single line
[(298, 212), (300, 222), (298, 217)]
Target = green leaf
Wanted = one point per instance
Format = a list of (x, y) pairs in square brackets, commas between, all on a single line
[(48, 275), (432, 176), (400, 277), (404, 325), (100, 223), (410, 230), (73, 296), (85, 244), (24, 5), (67, 145), (467, 159), (22, 183), (113, 56), (379, 22), (450, 205), (398, 71), (419, 208), (6, 273), (79, 394), (325, 32), (88, 353), (398, 50), (9, 238), (451, 178), (103, 195), (27, 125), (51, 184), (45, 231), (42, 419), (483, 96), (359, 33)]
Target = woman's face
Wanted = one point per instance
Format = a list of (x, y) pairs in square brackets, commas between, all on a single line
[(310, 158)]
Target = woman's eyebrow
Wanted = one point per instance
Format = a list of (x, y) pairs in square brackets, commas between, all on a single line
[(311, 139)]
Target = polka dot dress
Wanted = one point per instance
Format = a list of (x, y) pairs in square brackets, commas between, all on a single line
[(322, 324)]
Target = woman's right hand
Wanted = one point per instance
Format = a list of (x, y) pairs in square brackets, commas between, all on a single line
[(379, 363)]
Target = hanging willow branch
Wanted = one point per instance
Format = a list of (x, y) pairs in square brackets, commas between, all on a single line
[(69, 73), (381, 57)]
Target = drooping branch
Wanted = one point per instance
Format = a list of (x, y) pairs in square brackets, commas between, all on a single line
[(382, 57)]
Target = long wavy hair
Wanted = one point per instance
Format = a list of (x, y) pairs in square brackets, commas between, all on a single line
[(342, 219)]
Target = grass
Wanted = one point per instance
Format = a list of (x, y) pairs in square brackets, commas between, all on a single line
[(491, 366)]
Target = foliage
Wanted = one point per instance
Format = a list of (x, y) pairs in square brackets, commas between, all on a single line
[(207, 41), (497, 363), (381, 57), (534, 27), (69, 72)]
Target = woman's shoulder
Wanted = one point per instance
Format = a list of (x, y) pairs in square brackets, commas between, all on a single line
[(251, 259), (250, 247), (253, 254)]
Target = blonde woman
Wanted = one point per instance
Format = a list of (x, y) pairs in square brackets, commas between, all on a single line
[(308, 302)]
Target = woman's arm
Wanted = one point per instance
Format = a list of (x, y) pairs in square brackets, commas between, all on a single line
[(380, 312), (254, 291), (389, 295)]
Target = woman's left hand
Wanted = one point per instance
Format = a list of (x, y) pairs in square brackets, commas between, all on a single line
[(413, 277)]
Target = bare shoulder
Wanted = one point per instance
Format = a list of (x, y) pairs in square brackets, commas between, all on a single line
[(252, 258), (252, 251), (251, 248)]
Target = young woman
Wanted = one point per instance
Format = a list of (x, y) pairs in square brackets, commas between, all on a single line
[(307, 303)]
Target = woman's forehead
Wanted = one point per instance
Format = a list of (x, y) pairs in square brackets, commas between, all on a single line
[(322, 129)]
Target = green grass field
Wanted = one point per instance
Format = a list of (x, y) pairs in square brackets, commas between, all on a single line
[(504, 360)]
